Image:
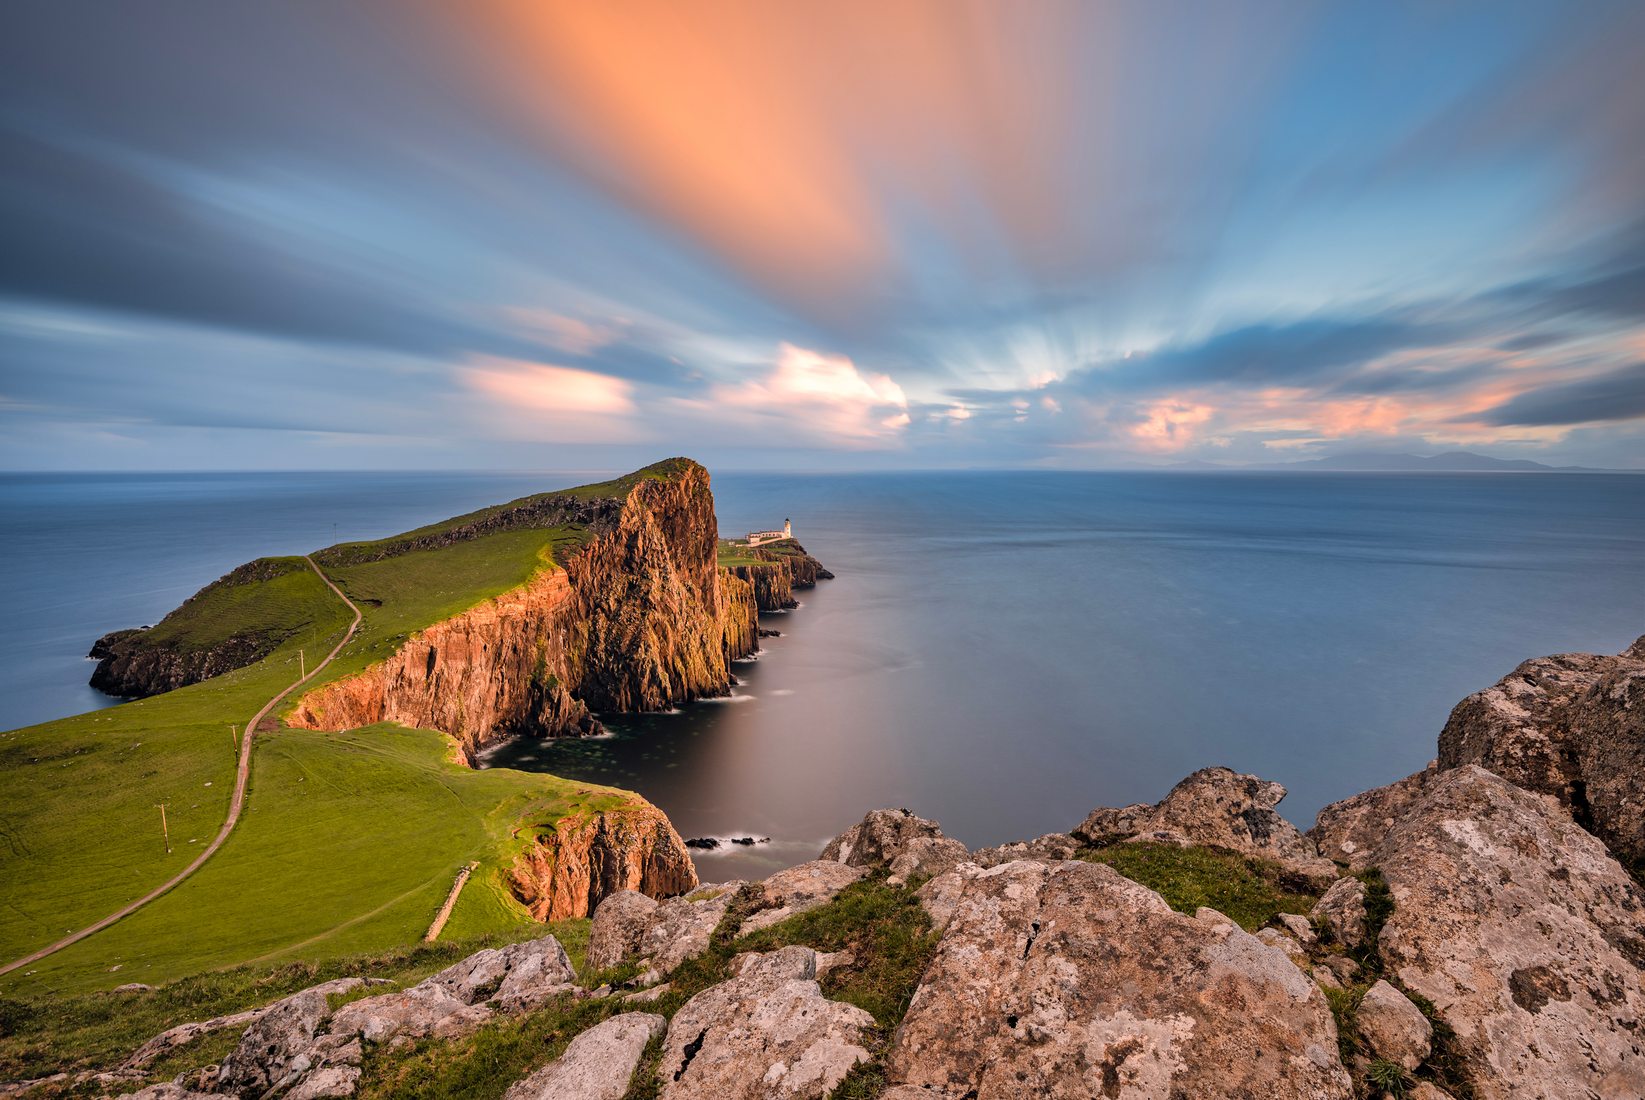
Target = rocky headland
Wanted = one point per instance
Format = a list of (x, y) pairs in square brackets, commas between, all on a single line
[(1471, 931)]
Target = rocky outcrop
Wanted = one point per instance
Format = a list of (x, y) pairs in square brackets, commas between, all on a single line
[(1341, 909), (145, 661), (1067, 979), (577, 861), (1049, 846), (766, 1034), (1220, 808), (899, 842), (1571, 726), (598, 1064), (783, 568), (299, 1047), (1524, 933)]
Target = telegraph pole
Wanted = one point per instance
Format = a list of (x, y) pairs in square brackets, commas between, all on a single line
[(302, 666), (164, 832), (234, 732)]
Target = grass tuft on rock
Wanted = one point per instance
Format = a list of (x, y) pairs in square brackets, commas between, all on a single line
[(1250, 892)]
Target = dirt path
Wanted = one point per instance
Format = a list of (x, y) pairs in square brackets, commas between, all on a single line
[(242, 776)]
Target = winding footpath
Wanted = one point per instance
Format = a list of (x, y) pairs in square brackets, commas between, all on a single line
[(242, 777)]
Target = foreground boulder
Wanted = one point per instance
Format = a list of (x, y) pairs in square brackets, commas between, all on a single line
[(1069, 980), (1220, 808), (767, 1033), (598, 1064), (799, 889), (1571, 726), (628, 925), (899, 842), (1524, 933)]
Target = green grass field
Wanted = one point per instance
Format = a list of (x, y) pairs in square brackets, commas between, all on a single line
[(348, 842)]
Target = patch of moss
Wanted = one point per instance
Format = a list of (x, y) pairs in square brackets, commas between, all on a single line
[(1250, 892)]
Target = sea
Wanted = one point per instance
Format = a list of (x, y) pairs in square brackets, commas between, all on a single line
[(1000, 651)]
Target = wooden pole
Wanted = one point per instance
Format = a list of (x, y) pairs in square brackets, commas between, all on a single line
[(302, 666), (165, 832), (234, 732)]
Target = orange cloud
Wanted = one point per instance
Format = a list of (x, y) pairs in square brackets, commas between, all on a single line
[(778, 135), (541, 400)]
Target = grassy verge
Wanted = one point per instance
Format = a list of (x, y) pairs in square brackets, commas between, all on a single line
[(1251, 892)]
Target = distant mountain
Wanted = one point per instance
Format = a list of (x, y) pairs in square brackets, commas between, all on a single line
[(1449, 462)]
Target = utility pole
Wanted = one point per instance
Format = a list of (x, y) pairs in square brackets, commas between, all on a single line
[(234, 732), (164, 832), (302, 666)]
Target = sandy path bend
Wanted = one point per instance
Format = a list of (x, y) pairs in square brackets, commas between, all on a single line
[(242, 776)]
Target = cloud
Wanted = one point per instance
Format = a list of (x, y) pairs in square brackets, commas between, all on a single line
[(818, 396), (560, 404), (1616, 395)]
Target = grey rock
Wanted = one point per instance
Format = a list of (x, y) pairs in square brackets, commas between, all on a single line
[(1394, 1028), (898, 841), (1571, 726), (1051, 846), (628, 925), (1351, 830), (1342, 910), (1067, 979), (941, 894), (597, 1065), (801, 888), (1525, 934), (1220, 808), (766, 1033), (1300, 928), (619, 924)]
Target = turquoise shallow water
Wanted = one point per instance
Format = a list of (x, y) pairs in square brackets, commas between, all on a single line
[(1000, 651)]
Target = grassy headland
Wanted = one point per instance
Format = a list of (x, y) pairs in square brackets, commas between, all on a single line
[(348, 842)]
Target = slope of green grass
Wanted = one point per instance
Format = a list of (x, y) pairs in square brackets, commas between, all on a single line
[(348, 842), (1250, 892)]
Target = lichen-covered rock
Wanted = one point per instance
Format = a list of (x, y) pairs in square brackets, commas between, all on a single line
[(578, 861), (1524, 933), (1220, 808), (1069, 980), (899, 842), (1572, 726), (619, 924), (664, 934), (767, 1033), (1049, 846), (298, 1047), (1342, 910), (1350, 831), (798, 889), (1394, 1028), (941, 895), (597, 1065)]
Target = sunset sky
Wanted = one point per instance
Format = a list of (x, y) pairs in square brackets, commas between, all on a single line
[(847, 235)]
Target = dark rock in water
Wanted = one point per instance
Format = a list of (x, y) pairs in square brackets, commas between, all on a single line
[(705, 842), (747, 841), (764, 633)]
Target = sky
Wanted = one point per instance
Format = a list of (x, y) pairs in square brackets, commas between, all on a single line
[(512, 234)]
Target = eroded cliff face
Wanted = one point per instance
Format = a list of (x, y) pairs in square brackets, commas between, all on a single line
[(576, 862), (640, 618)]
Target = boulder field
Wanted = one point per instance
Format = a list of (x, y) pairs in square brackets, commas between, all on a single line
[(1461, 933)]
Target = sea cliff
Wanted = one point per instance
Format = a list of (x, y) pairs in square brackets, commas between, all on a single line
[(637, 618)]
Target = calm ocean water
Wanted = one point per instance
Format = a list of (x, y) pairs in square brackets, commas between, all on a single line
[(1000, 651)]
